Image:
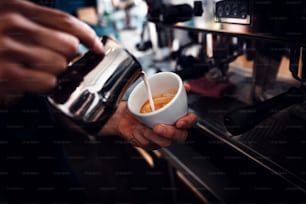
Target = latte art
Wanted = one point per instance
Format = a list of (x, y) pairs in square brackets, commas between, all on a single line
[(159, 102)]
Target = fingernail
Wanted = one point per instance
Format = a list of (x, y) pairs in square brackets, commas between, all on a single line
[(99, 46), (181, 124), (160, 130)]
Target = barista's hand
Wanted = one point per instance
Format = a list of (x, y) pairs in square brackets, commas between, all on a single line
[(123, 123), (35, 45)]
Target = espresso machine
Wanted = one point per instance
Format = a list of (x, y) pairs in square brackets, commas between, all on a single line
[(243, 151)]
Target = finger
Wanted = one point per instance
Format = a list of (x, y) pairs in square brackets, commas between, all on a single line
[(62, 21), (59, 41), (138, 135), (187, 121), (187, 87), (170, 132), (18, 79), (35, 57), (157, 139)]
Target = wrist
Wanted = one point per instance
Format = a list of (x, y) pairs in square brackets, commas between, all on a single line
[(111, 127)]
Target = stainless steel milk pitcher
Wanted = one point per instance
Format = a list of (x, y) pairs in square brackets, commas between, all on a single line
[(90, 90)]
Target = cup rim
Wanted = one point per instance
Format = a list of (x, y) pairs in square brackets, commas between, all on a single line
[(180, 86)]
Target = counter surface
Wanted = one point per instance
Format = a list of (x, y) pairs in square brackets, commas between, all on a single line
[(262, 163)]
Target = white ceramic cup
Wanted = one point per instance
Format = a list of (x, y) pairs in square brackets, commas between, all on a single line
[(160, 83)]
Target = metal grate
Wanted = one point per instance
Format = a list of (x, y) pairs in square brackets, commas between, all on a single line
[(280, 138)]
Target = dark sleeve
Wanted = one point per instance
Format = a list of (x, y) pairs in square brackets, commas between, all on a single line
[(31, 143), (29, 117)]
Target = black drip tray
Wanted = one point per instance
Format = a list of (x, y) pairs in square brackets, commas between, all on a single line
[(280, 138)]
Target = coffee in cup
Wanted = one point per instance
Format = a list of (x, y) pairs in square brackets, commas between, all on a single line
[(159, 101), (162, 84)]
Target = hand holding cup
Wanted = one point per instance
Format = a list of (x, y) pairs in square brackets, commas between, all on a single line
[(169, 96)]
